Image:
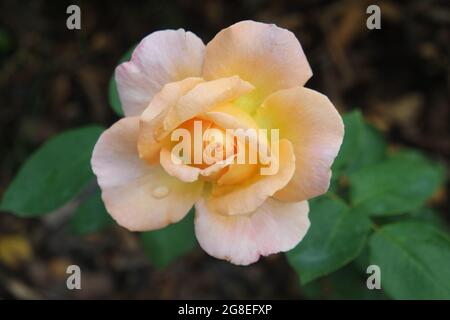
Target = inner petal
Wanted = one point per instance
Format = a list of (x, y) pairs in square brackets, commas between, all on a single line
[(206, 144)]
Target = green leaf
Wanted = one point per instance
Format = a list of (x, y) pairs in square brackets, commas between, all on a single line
[(431, 216), (54, 174), (422, 214), (363, 145), (414, 260), (91, 216), (165, 245), (362, 261), (336, 236), (113, 94), (402, 183)]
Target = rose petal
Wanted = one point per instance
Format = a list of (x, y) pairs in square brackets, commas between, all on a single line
[(189, 173), (228, 116), (160, 58), (138, 196), (310, 121), (269, 57), (273, 227), (152, 118), (204, 97), (246, 197), (183, 172)]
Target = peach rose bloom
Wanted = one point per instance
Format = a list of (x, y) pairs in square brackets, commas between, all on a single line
[(250, 75)]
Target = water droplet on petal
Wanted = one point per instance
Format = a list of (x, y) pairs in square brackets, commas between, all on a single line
[(160, 192)]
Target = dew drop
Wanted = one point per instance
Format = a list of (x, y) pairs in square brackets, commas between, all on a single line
[(160, 192)]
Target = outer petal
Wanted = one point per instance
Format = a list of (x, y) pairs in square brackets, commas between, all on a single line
[(153, 116), (246, 197), (134, 193), (273, 227), (309, 120), (269, 57), (160, 58)]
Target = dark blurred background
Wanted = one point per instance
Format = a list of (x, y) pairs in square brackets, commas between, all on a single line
[(53, 79)]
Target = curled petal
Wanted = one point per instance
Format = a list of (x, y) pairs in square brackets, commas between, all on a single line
[(273, 227), (138, 196), (228, 116), (249, 195), (183, 172), (160, 58), (315, 129), (186, 172), (269, 57), (151, 122), (204, 97)]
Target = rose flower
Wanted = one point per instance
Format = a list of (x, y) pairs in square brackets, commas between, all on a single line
[(175, 147)]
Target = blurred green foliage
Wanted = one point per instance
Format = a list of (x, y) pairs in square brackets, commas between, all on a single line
[(91, 216), (54, 174), (165, 245)]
